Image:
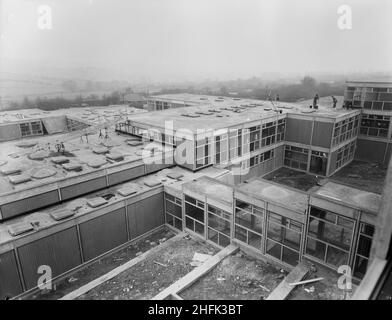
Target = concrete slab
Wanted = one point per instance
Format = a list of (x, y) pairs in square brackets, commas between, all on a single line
[(96, 202), (62, 214), (352, 197), (20, 178), (19, 228), (279, 194)]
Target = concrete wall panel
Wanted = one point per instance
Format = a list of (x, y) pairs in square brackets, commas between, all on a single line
[(146, 215), (78, 189), (298, 130), (103, 233), (13, 209), (9, 277), (59, 251), (125, 175), (10, 132), (322, 134), (372, 151)]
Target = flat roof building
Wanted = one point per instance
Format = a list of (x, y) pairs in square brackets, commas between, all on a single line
[(109, 187)]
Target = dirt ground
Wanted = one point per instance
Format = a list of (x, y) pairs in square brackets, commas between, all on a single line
[(100, 267), (237, 277), (326, 289), (293, 178), (363, 175), (147, 278)]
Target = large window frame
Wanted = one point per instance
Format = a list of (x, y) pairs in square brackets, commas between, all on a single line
[(362, 252), (243, 230), (221, 232), (191, 222), (332, 221), (282, 247), (173, 211)]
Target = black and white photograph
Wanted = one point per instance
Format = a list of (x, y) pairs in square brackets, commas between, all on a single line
[(197, 156)]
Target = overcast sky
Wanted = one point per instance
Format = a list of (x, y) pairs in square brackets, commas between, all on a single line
[(198, 38)]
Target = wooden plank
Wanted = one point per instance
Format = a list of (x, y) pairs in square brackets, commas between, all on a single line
[(196, 273), (115, 272), (284, 288)]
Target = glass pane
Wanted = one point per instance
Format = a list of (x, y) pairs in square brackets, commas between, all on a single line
[(223, 240), (254, 240), (364, 246), (336, 257), (274, 249), (289, 256), (178, 224), (199, 228), (213, 235), (169, 219), (315, 248), (240, 234), (194, 212), (189, 223), (360, 267)]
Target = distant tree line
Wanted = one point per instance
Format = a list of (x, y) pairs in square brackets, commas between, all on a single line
[(255, 88), (55, 103), (306, 89)]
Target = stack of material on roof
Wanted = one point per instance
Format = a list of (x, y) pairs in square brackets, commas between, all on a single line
[(44, 173), (27, 144), (128, 190), (100, 150), (39, 155), (19, 228), (72, 166), (134, 143), (151, 182), (116, 156), (60, 160), (10, 170), (20, 178), (96, 162), (174, 175), (96, 202), (61, 214)]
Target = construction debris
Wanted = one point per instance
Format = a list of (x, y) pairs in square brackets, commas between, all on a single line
[(305, 281), (160, 264), (309, 290)]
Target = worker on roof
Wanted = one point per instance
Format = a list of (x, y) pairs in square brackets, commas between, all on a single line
[(335, 101), (277, 97), (315, 100)]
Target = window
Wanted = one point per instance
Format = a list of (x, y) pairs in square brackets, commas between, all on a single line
[(173, 211), (374, 125), (221, 149), (345, 154), (283, 238), (344, 130), (268, 133), (296, 158), (365, 237), (203, 152), (249, 221), (36, 127), (194, 215), (318, 163), (281, 130), (329, 237), (219, 226)]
